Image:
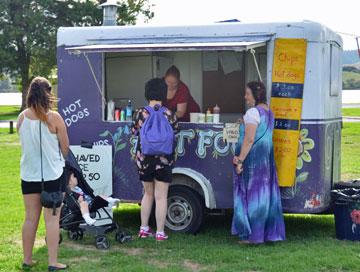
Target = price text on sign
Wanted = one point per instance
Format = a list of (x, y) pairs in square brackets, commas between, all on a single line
[(286, 102), (96, 166)]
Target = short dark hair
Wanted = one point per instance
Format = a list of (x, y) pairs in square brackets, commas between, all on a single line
[(173, 71), (156, 89), (258, 91)]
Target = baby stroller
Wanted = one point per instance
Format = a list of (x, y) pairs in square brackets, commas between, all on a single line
[(71, 219)]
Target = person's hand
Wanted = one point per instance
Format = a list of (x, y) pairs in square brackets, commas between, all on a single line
[(81, 198), (235, 160), (239, 169)]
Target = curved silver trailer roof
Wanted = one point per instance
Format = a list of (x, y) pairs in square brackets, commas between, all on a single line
[(76, 36)]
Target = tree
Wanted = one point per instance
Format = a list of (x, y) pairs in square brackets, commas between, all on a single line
[(28, 31)]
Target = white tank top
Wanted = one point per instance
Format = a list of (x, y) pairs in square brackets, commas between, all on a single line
[(53, 161)]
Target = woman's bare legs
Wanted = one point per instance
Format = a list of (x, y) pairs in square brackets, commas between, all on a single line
[(32, 215), (161, 193), (52, 235), (146, 203)]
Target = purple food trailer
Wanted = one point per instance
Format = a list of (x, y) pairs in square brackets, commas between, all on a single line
[(97, 65)]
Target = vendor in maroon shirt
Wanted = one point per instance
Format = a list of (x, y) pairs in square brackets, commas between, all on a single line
[(179, 99)]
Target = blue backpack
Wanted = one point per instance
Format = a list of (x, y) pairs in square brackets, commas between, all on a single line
[(156, 134)]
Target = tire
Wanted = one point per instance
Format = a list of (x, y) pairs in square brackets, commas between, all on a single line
[(122, 237), (73, 235), (185, 210), (101, 242)]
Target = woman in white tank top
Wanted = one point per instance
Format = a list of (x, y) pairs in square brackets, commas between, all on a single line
[(54, 147)]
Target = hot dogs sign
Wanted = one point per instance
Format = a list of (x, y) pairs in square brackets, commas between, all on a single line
[(286, 102)]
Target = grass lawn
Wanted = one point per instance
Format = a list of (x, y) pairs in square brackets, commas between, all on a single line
[(310, 245), (351, 112), (9, 112)]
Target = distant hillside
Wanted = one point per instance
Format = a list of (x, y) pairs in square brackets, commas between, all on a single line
[(350, 57), (351, 76)]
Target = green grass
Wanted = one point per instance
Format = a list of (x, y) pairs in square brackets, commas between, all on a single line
[(350, 160), (351, 112), (310, 245), (351, 80), (9, 112)]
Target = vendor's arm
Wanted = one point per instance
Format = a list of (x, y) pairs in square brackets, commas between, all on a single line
[(183, 99), (181, 110)]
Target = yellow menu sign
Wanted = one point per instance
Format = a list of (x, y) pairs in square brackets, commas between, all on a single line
[(288, 76)]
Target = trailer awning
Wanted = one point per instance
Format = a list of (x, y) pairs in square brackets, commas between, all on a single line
[(201, 46)]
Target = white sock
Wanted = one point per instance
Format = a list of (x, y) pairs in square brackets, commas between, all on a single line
[(113, 201), (160, 233), (90, 221), (146, 228)]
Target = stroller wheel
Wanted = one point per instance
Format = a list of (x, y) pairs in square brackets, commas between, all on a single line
[(122, 237), (101, 242), (80, 233), (74, 235)]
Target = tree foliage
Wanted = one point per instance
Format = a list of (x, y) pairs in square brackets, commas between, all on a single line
[(28, 31)]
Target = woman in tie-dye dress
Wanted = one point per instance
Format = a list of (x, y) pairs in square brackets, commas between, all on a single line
[(258, 214)]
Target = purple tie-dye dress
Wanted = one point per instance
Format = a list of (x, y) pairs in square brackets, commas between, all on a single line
[(257, 203)]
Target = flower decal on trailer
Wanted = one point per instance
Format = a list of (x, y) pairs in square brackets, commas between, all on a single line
[(305, 144), (355, 217)]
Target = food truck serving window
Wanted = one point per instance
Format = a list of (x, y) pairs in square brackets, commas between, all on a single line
[(214, 72)]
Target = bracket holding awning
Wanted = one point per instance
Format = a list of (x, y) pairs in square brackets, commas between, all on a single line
[(200, 46)]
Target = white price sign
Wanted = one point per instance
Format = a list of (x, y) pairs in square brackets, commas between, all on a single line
[(96, 166), (231, 132)]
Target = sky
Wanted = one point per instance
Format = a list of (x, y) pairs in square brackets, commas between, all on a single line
[(340, 16)]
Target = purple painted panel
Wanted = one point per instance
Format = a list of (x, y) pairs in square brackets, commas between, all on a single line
[(311, 193), (199, 146), (79, 95)]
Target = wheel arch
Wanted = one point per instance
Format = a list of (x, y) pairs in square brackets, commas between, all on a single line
[(200, 184)]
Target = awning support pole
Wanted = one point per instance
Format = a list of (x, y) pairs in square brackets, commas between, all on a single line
[(252, 51), (94, 76)]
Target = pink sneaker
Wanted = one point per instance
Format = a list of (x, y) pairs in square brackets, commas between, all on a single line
[(161, 236), (145, 234)]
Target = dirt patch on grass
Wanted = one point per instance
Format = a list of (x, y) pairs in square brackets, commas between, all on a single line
[(132, 251), (158, 264), (195, 267), (80, 246), (81, 259)]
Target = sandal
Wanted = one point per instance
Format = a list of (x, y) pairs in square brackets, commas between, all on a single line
[(26, 266), (56, 268)]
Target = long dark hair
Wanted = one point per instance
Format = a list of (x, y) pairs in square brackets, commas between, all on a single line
[(258, 91), (39, 97)]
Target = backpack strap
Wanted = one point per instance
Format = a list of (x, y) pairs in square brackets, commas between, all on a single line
[(149, 109)]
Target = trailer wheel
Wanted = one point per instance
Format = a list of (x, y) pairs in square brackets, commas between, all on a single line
[(185, 210)]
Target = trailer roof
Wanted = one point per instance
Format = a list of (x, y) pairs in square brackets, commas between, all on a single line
[(230, 32)]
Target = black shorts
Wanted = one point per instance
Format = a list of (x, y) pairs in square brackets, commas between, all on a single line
[(34, 187), (163, 174)]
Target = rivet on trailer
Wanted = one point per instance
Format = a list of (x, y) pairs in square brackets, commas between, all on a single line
[(300, 63)]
